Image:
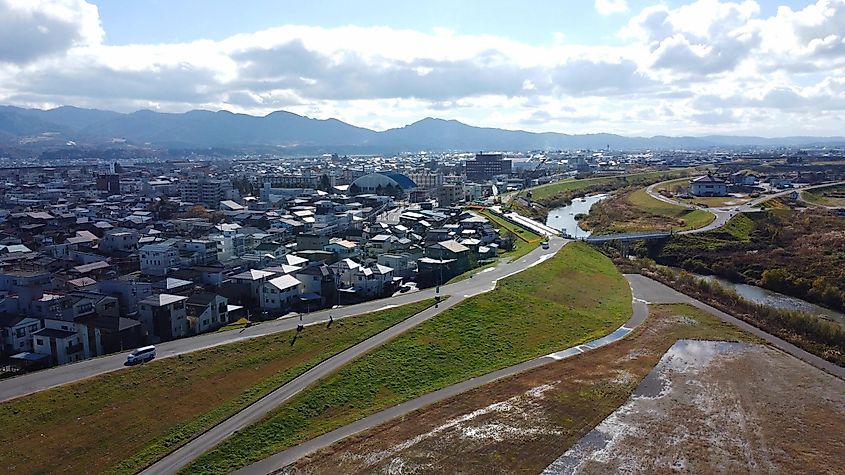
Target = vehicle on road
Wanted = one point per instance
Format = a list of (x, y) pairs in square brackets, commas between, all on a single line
[(544, 244), (141, 355)]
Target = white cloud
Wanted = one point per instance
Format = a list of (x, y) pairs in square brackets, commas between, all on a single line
[(32, 29), (609, 7), (674, 70)]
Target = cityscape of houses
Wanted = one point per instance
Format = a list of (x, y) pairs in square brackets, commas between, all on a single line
[(97, 257)]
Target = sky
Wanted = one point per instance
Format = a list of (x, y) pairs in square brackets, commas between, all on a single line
[(770, 68)]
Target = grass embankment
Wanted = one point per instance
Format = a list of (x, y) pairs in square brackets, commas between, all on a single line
[(121, 422), (578, 393), (635, 210), (470, 272), (526, 240), (569, 299), (821, 337), (832, 196), (546, 197)]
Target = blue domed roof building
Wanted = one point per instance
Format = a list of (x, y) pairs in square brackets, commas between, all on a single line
[(382, 180)]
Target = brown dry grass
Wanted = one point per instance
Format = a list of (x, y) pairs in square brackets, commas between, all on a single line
[(584, 390)]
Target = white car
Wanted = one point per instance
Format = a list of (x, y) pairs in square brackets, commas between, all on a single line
[(141, 355)]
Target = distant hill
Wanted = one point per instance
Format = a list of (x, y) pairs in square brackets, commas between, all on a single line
[(290, 131)]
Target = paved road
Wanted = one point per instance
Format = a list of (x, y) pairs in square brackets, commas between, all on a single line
[(483, 281), (285, 458), (655, 292), (645, 291), (725, 213)]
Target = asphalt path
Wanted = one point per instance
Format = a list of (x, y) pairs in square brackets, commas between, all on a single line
[(481, 282), (725, 213), (645, 291), (282, 459), (654, 292)]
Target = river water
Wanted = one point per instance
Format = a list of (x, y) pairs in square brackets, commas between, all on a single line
[(563, 218), (777, 300)]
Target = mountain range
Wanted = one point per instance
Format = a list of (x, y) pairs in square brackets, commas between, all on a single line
[(295, 133)]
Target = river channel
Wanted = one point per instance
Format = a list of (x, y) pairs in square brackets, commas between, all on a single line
[(563, 218), (777, 300)]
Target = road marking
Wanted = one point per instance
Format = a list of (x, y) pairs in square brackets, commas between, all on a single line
[(385, 308)]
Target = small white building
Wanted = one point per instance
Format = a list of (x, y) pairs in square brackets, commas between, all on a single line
[(207, 311), (279, 293), (159, 259), (708, 186)]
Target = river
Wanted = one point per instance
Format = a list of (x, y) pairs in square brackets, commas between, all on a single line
[(563, 218), (777, 300)]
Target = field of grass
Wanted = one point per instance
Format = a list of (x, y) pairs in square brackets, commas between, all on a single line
[(673, 186), (593, 385), (121, 422), (569, 299), (526, 241), (545, 192), (832, 196), (719, 201), (470, 272), (636, 210)]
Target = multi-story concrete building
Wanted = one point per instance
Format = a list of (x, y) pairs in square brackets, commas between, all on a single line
[(486, 166), (427, 180), (206, 191)]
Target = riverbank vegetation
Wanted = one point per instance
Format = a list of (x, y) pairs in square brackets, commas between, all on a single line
[(797, 253), (522, 423), (815, 335), (571, 298), (561, 193), (633, 209)]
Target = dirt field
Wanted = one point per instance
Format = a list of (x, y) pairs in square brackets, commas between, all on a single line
[(523, 424), (720, 407)]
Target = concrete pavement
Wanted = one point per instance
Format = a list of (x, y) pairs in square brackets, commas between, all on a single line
[(282, 459), (724, 214), (482, 282), (40, 380), (655, 292)]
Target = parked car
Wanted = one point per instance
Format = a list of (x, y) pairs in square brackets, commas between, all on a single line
[(141, 355)]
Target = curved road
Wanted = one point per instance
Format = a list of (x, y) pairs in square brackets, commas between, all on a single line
[(725, 213), (282, 459), (645, 291), (483, 281)]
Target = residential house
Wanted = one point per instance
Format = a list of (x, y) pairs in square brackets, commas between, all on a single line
[(159, 259), (708, 185), (318, 288), (279, 293), (164, 317), (16, 332), (206, 311)]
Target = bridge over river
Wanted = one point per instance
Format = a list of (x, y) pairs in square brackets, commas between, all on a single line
[(626, 237)]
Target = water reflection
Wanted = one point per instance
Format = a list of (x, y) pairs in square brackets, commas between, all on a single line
[(563, 218), (773, 299)]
